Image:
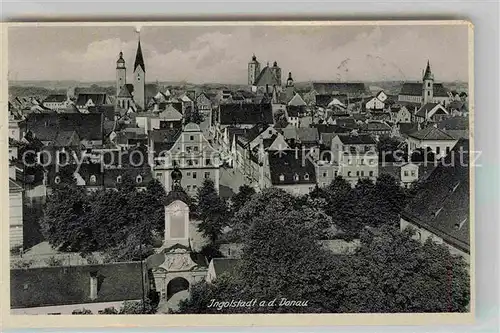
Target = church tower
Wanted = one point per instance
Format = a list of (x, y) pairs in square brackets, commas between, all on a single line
[(290, 87), (121, 73), (277, 73), (253, 70), (139, 78), (428, 85)]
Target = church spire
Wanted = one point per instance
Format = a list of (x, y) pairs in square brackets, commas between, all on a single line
[(139, 61), (428, 74)]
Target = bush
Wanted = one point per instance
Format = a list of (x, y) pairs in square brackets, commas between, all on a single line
[(82, 312), (16, 250), (53, 261), (137, 307), (22, 264), (110, 311)]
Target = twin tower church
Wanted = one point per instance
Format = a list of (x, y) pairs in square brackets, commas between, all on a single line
[(134, 94), (131, 94)]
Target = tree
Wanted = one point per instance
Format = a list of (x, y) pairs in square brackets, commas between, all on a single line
[(244, 194), (394, 273), (273, 196), (390, 150), (212, 211), (65, 223)]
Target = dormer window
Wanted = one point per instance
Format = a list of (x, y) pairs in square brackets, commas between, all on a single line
[(282, 178), (306, 176), (119, 179), (93, 179), (138, 179), (57, 180)]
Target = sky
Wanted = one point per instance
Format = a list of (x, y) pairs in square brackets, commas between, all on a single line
[(220, 54)]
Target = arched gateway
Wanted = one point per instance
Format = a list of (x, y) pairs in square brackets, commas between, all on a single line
[(175, 267)]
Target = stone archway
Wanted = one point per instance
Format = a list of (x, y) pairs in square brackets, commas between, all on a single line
[(176, 285)]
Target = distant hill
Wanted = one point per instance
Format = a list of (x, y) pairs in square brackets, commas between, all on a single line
[(42, 89)]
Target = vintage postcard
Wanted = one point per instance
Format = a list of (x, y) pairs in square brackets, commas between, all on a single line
[(224, 173)]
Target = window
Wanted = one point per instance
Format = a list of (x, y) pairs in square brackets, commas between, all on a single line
[(194, 187), (336, 173), (349, 174), (306, 176), (57, 179), (190, 162), (191, 137), (195, 148), (158, 175), (362, 162), (362, 173), (195, 162), (357, 173), (349, 161), (194, 175), (447, 150), (207, 161), (325, 174), (296, 177), (406, 173), (413, 173), (188, 174), (188, 187), (138, 179), (428, 93), (371, 173), (438, 150), (207, 175), (119, 179), (93, 179), (188, 149), (282, 178), (428, 84)]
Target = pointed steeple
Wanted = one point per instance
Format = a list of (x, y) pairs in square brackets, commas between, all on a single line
[(139, 61), (428, 74)]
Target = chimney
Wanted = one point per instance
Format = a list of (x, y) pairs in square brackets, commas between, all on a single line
[(12, 171), (93, 285)]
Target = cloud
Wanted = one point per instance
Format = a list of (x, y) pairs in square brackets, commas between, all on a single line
[(325, 53)]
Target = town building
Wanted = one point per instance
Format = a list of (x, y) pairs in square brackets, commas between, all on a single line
[(55, 102), (431, 112), (135, 93), (356, 156), (15, 213), (427, 91), (75, 288), (439, 141), (189, 150), (292, 171), (440, 210), (219, 266), (268, 77)]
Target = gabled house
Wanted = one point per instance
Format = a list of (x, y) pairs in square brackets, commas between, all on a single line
[(191, 152), (292, 171), (440, 210), (431, 112), (356, 156), (55, 102), (84, 101), (439, 141), (400, 114)]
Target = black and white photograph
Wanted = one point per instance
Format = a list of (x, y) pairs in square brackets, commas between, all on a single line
[(240, 168)]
